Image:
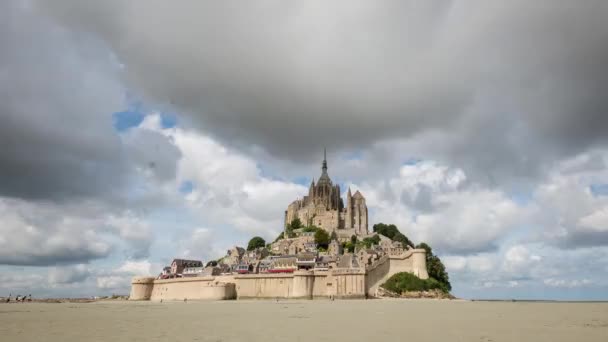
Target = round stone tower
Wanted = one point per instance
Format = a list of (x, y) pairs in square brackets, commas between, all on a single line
[(419, 263), (141, 288)]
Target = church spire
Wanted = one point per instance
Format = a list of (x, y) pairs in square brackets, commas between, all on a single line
[(324, 167)]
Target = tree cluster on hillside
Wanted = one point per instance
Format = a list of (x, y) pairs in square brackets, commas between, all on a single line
[(392, 232), (322, 239), (293, 225), (368, 242), (434, 266)]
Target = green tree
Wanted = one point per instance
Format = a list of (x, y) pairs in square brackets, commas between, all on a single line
[(404, 281), (369, 242), (403, 239), (310, 229), (322, 238), (392, 232), (211, 263), (295, 224), (255, 242), (388, 230), (349, 247), (435, 267)]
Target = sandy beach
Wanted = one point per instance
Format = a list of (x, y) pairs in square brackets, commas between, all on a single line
[(319, 320)]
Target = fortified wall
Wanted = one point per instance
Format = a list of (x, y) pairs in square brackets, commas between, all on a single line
[(338, 283)]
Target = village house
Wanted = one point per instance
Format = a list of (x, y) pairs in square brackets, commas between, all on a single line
[(193, 271), (306, 261), (178, 265)]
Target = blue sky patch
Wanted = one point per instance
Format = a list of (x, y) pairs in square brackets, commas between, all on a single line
[(186, 187), (128, 119), (412, 161), (599, 189), (168, 120)]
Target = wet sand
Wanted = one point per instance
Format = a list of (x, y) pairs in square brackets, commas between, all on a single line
[(319, 320)]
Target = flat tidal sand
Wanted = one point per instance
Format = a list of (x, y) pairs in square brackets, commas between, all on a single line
[(319, 320)]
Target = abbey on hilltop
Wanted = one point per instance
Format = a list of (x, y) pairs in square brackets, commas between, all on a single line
[(302, 262), (324, 208)]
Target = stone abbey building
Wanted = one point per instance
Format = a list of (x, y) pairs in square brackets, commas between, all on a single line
[(323, 207)]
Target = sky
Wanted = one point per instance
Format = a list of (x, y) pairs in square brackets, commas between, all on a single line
[(133, 132)]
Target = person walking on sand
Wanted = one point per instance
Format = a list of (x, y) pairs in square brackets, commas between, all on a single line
[(9, 298)]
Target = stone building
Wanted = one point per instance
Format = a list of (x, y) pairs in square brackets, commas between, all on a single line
[(178, 265), (323, 207)]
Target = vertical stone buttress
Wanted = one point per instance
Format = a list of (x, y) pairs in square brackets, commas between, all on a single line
[(363, 211), (348, 220), (356, 215)]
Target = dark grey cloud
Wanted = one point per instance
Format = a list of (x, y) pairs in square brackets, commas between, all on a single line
[(69, 274), (58, 90), (44, 234), (64, 170), (490, 79), (57, 94)]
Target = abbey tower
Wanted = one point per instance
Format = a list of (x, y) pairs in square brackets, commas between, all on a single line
[(323, 207)]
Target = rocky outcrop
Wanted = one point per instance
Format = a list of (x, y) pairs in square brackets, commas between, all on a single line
[(431, 294)]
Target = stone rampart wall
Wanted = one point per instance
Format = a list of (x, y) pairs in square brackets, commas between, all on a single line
[(197, 288), (338, 283)]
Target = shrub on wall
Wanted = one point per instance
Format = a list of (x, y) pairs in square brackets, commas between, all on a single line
[(404, 281)]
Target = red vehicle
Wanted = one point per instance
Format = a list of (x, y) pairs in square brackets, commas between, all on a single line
[(242, 269)]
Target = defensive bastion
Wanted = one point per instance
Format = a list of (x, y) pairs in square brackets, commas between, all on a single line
[(337, 283)]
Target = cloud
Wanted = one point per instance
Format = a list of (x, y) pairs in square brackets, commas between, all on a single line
[(567, 283), (112, 282), (200, 245), (134, 230), (57, 91), (44, 234), (229, 187), (68, 275), (500, 89), (568, 212), (21, 281), (41, 234), (119, 279), (143, 267), (427, 200), (478, 129)]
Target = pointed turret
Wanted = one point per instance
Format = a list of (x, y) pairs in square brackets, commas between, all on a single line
[(324, 167), (311, 190), (348, 219), (324, 179)]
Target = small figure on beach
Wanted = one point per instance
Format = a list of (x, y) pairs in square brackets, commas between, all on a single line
[(29, 297), (9, 298)]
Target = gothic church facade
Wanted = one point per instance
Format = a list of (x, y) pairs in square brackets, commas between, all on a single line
[(323, 207)]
